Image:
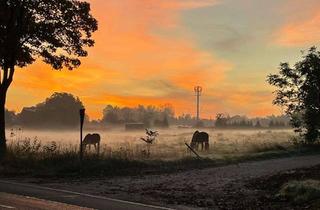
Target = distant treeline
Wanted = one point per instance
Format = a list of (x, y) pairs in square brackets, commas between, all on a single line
[(149, 116), (237, 121), (61, 110)]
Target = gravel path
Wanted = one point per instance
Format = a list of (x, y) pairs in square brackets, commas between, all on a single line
[(191, 188)]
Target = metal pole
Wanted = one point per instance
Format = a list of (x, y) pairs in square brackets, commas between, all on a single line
[(198, 90), (82, 114), (198, 98)]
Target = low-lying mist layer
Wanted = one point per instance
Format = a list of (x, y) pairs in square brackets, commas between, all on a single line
[(40, 153)]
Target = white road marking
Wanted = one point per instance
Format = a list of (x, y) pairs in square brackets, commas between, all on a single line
[(7, 207), (69, 196)]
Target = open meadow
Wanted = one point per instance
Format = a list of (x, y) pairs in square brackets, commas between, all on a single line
[(123, 153), (169, 145)]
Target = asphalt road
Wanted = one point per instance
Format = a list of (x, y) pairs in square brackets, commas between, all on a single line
[(26, 196), (11, 201)]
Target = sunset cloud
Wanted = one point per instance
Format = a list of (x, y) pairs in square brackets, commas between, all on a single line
[(184, 4), (300, 33), (138, 44), (301, 27), (147, 52)]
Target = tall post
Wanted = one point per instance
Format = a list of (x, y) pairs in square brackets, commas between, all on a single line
[(198, 91), (82, 114)]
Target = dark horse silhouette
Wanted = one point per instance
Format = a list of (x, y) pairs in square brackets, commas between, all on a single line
[(93, 139), (201, 138)]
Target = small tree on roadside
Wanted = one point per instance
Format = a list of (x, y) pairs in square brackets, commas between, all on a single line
[(55, 31), (298, 92)]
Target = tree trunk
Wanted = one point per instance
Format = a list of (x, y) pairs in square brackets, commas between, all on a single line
[(3, 146), (6, 81)]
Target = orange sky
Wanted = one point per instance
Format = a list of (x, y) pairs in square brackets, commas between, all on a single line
[(148, 52)]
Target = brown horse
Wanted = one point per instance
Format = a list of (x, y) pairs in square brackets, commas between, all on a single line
[(92, 139), (201, 138)]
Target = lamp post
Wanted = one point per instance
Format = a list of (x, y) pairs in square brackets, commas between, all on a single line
[(82, 114)]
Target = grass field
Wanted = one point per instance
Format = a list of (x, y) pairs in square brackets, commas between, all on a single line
[(51, 153), (169, 145)]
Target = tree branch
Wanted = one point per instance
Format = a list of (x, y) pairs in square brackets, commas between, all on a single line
[(7, 77), (10, 78)]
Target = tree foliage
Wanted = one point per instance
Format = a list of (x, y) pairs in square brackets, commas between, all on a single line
[(149, 115), (239, 122), (61, 110), (298, 92), (56, 31)]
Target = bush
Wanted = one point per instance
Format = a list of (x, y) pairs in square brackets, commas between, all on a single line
[(301, 191)]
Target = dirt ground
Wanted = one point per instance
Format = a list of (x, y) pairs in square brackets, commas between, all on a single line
[(266, 189), (242, 186)]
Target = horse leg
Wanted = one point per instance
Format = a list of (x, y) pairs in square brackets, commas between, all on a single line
[(98, 147), (207, 146)]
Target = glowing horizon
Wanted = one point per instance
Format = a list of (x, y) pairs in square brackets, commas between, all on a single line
[(154, 52)]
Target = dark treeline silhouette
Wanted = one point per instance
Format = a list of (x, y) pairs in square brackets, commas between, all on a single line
[(61, 110), (187, 120), (237, 121), (150, 115)]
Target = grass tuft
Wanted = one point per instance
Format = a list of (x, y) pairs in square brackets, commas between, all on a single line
[(301, 191)]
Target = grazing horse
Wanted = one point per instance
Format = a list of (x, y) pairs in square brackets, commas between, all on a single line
[(200, 138), (93, 139)]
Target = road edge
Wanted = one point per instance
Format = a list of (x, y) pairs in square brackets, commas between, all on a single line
[(84, 194)]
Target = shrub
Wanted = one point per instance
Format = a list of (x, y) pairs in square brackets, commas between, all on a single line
[(301, 191)]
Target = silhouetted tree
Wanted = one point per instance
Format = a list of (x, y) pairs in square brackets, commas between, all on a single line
[(149, 115), (258, 124), (111, 115), (185, 119), (221, 120), (298, 91), (165, 122), (61, 110), (271, 124), (56, 31)]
